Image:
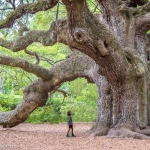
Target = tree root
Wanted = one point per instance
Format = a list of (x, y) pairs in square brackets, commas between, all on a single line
[(127, 133), (145, 131), (97, 131)]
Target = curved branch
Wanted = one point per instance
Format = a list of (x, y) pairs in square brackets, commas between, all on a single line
[(64, 96), (36, 94), (24, 9), (63, 92), (25, 65), (33, 54), (47, 38)]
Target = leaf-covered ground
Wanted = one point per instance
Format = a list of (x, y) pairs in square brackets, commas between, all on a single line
[(53, 137)]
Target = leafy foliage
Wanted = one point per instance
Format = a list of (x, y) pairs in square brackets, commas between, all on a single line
[(45, 114), (9, 102)]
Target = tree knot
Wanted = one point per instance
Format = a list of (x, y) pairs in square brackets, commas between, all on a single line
[(79, 35), (135, 61)]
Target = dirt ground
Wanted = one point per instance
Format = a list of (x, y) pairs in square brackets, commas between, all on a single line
[(28, 136)]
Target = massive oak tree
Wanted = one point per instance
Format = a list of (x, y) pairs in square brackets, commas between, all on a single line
[(111, 49)]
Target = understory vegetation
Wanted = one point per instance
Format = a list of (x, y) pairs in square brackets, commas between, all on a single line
[(81, 99)]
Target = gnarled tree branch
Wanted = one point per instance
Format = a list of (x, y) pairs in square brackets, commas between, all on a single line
[(25, 65), (36, 94), (47, 38), (26, 8)]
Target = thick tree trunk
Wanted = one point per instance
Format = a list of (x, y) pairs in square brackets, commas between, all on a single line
[(104, 103), (129, 108), (123, 105), (104, 108)]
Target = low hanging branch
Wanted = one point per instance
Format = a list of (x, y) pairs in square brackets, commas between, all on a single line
[(47, 38), (26, 8), (95, 8), (36, 94), (25, 65), (64, 94)]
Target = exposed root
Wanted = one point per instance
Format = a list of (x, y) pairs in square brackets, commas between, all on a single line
[(145, 131), (127, 133), (97, 131)]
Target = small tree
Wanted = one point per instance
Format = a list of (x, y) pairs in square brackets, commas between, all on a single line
[(116, 45)]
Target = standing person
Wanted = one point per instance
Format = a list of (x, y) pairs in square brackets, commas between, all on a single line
[(70, 124)]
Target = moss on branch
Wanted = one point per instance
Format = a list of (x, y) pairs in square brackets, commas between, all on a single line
[(47, 38), (26, 8)]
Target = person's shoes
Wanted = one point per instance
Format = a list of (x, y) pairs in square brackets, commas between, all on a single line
[(73, 135), (67, 135)]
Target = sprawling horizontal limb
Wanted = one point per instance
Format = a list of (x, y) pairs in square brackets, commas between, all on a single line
[(47, 38), (36, 94), (26, 66), (26, 8)]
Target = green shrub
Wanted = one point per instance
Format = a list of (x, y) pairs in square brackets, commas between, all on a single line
[(45, 114), (81, 111), (9, 102)]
